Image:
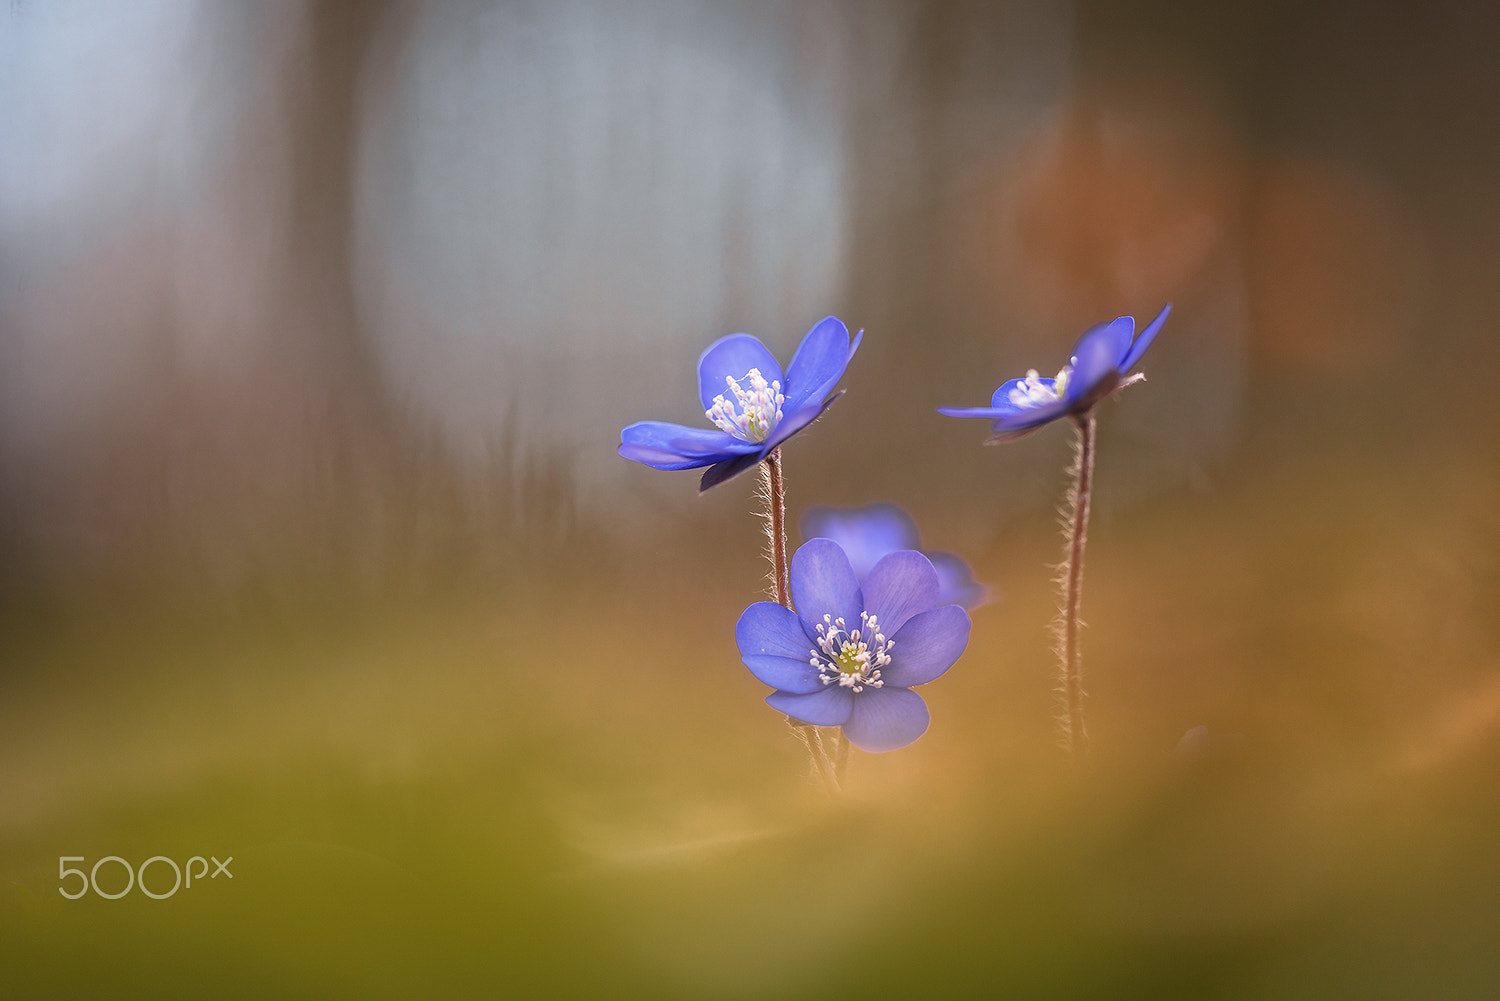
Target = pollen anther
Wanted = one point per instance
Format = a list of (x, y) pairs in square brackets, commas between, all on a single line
[(750, 414), (853, 659)]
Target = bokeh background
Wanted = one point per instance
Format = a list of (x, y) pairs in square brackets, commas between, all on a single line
[(318, 324)]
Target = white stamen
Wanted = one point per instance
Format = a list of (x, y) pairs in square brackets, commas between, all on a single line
[(1031, 392), (846, 658), (750, 415)]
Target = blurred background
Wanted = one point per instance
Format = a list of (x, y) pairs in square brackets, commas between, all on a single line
[(319, 321)]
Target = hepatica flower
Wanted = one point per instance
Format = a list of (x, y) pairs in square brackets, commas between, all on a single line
[(1100, 364), (868, 534), (853, 650), (753, 405)]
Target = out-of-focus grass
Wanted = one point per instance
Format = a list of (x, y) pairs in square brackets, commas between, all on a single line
[(576, 792)]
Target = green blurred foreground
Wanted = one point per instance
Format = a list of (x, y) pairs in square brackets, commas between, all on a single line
[(579, 794)]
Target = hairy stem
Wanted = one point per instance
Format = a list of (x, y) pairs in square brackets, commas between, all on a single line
[(817, 750), (840, 756), (773, 492), (1075, 535), (775, 497)]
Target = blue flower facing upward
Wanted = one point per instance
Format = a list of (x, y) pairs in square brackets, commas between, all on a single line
[(869, 533), (851, 653), (1101, 362), (753, 405)]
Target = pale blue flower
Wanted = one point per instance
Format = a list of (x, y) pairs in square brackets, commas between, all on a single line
[(852, 651), (753, 406), (867, 534), (1100, 364)]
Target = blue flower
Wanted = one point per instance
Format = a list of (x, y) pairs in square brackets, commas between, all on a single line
[(1101, 360), (852, 652), (869, 533), (754, 406)]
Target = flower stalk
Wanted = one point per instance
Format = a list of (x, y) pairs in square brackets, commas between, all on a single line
[(1070, 577), (1101, 364), (773, 493)]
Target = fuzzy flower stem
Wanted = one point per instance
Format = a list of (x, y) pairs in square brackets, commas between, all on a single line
[(775, 497), (818, 750), (1075, 532), (773, 492), (840, 757)]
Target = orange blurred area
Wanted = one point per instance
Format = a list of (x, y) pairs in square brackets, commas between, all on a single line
[(1337, 273), (1127, 197)]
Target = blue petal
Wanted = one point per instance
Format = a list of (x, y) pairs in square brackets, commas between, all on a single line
[(818, 364), (830, 707), (1144, 339), (884, 719), (672, 446), (988, 413), (775, 648), (898, 587), (864, 533), (734, 356), (796, 677), (769, 630), (1096, 361), (793, 421), (1002, 401), (1009, 416), (927, 646), (1026, 420), (730, 468), (823, 583), (1111, 339), (956, 583)]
